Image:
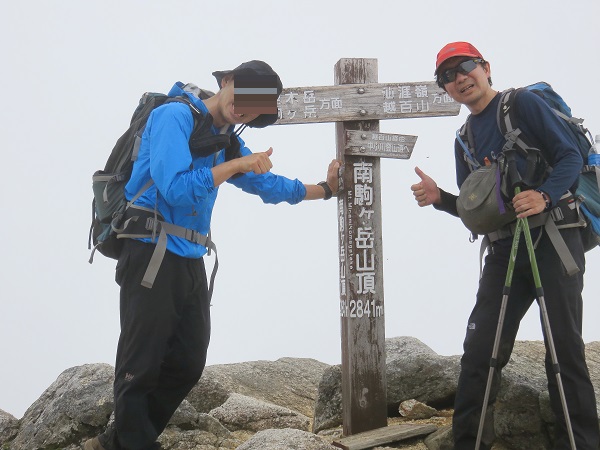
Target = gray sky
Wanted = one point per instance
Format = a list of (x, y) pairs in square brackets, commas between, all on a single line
[(72, 74)]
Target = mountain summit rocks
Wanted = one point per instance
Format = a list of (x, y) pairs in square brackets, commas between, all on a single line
[(295, 403)]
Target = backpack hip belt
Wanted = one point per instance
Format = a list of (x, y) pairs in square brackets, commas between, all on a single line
[(140, 222), (564, 215)]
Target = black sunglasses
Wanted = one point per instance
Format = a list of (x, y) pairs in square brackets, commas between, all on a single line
[(465, 67)]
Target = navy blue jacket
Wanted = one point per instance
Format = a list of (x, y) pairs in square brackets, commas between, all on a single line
[(544, 130)]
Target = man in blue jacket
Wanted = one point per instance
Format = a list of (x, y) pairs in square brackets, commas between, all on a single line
[(465, 75), (165, 329)]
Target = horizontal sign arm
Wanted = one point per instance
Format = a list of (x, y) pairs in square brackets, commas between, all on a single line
[(383, 145), (353, 102)]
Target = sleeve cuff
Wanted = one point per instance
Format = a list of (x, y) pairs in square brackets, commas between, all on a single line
[(447, 203)]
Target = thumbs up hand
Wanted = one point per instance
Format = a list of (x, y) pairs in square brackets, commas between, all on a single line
[(426, 192)]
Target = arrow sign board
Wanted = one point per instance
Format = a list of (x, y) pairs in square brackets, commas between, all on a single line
[(375, 101), (383, 145)]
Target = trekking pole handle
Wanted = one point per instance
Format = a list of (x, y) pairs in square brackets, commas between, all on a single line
[(531, 251), (513, 171)]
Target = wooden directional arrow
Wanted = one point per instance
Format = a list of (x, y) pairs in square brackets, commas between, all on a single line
[(373, 101), (383, 145)]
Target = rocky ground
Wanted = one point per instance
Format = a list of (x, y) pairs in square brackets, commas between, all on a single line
[(296, 404)]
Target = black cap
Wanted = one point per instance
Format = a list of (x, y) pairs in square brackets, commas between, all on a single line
[(255, 67)]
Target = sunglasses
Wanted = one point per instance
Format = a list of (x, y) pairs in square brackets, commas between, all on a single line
[(465, 67)]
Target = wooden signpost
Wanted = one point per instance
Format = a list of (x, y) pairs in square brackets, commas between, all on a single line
[(356, 103)]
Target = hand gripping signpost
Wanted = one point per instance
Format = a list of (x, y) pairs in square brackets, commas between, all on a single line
[(356, 103)]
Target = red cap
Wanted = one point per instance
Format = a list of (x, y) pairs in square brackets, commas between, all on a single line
[(456, 49)]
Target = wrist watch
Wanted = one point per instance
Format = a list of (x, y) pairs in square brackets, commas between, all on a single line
[(327, 189), (546, 199)]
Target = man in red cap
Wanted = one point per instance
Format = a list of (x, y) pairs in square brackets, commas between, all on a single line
[(465, 75)]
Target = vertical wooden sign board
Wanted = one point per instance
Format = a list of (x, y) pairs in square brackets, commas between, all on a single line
[(361, 273)]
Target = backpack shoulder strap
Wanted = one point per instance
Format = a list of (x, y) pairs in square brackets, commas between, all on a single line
[(506, 118), (464, 136), (202, 141), (516, 141)]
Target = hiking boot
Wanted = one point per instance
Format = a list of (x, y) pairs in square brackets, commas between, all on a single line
[(93, 444)]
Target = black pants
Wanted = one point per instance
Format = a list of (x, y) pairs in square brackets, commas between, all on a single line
[(563, 300), (162, 348)]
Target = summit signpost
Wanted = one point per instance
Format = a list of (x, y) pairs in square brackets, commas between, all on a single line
[(363, 101), (356, 103)]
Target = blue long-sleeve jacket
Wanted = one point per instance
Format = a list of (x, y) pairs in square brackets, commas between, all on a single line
[(185, 185)]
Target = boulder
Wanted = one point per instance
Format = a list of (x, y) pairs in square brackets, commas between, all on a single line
[(286, 439), (78, 404), (9, 427), (288, 382), (328, 405), (185, 417), (246, 413), (522, 414), (442, 439), (207, 434), (415, 410), (517, 412), (415, 371)]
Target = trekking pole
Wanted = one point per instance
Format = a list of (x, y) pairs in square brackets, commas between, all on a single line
[(514, 179), (518, 183), (546, 322), (522, 225), (494, 359)]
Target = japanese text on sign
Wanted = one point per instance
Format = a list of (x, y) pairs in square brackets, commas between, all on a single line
[(306, 104), (383, 100), (358, 259), (363, 240)]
